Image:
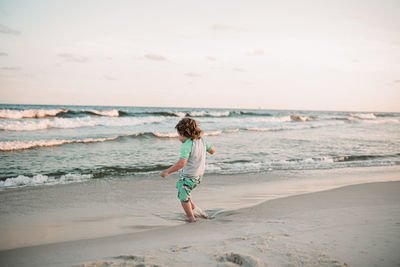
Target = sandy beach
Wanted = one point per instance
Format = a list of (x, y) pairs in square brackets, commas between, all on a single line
[(356, 225)]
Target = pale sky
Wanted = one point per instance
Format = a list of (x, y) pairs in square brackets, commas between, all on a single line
[(313, 55)]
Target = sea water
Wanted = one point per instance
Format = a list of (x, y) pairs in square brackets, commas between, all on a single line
[(42, 145)]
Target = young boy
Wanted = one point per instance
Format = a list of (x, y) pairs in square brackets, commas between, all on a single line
[(192, 160)]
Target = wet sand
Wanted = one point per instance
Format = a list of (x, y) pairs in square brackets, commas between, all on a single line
[(357, 225)]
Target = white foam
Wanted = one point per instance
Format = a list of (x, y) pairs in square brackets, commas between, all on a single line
[(34, 125), (19, 145), (40, 179), (267, 165), (30, 113), (381, 121), (107, 113), (363, 116), (209, 113), (269, 119), (215, 133), (258, 129), (173, 135), (232, 131), (166, 135), (298, 118), (177, 113)]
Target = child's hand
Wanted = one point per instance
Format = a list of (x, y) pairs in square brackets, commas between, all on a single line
[(164, 174)]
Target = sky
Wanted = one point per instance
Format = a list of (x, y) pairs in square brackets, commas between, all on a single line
[(310, 55)]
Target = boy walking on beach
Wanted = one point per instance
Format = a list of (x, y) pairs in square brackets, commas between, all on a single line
[(192, 162)]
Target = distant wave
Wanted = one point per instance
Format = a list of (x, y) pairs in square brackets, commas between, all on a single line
[(284, 128), (363, 116), (30, 113), (211, 114), (249, 113), (387, 114), (107, 113), (71, 113), (299, 118), (372, 118), (46, 113), (173, 135), (189, 113), (288, 118), (20, 145), (35, 125), (381, 121), (232, 130)]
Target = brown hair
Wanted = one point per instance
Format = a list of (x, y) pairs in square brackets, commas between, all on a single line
[(188, 127)]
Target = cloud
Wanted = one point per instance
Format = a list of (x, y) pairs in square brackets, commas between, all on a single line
[(155, 57), (192, 74), (73, 58), (256, 52), (10, 68), (7, 30), (2, 54), (211, 58), (396, 81)]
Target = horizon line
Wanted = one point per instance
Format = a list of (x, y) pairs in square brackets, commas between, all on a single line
[(258, 108)]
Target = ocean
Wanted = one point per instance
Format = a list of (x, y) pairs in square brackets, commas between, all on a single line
[(44, 145)]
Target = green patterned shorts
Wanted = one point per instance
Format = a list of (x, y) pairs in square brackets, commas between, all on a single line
[(185, 186)]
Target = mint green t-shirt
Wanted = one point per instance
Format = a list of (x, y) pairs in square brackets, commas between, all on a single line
[(194, 151)]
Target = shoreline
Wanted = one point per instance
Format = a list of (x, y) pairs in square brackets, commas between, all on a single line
[(351, 225)]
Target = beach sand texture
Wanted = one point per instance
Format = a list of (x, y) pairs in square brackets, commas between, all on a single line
[(356, 225)]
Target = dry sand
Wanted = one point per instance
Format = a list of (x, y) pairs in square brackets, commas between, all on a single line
[(357, 225)]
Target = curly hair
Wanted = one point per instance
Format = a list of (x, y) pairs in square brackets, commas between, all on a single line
[(188, 127)]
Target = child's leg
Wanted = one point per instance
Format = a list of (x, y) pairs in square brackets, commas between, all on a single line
[(191, 202), (187, 207)]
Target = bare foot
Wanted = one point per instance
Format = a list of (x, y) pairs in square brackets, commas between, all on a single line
[(192, 219)]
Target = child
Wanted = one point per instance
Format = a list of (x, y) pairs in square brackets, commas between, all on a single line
[(192, 160)]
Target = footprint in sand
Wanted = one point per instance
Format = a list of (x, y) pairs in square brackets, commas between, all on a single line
[(123, 260), (235, 259)]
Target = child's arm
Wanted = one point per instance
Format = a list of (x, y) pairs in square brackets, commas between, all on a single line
[(212, 150), (176, 167)]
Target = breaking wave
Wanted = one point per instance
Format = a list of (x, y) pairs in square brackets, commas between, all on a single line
[(35, 125), (20, 145), (364, 116), (30, 113), (49, 179), (248, 166), (46, 113), (71, 113), (41, 179)]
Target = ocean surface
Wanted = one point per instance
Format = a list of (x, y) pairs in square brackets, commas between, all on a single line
[(42, 145)]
